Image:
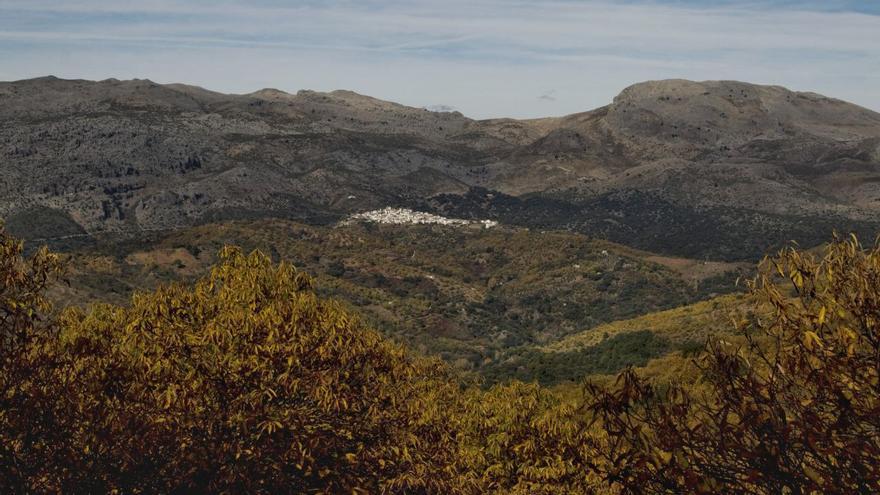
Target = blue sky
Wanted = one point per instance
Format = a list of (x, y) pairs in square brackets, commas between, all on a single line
[(486, 58)]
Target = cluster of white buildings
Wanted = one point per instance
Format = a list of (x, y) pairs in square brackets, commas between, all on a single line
[(407, 216)]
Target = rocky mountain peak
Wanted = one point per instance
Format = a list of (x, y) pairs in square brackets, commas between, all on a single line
[(737, 158)]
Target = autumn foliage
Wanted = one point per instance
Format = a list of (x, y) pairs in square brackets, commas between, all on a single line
[(793, 407), (248, 382), (23, 389)]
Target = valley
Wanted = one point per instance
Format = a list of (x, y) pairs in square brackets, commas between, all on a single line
[(474, 296), (538, 249)]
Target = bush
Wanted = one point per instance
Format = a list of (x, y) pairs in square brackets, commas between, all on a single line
[(246, 382), (795, 409), (523, 439)]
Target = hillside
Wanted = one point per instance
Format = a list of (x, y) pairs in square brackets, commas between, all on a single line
[(692, 323), (660, 343), (720, 170), (469, 294)]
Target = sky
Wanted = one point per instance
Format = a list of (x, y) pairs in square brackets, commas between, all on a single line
[(484, 58)]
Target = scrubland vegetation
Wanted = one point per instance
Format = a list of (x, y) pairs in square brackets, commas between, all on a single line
[(246, 380), (480, 299)]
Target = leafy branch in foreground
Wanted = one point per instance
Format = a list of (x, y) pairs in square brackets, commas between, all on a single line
[(246, 382), (23, 326), (794, 407)]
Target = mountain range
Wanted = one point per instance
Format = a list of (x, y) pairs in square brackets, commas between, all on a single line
[(717, 170)]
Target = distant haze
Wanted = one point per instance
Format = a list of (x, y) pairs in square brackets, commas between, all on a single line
[(484, 58)]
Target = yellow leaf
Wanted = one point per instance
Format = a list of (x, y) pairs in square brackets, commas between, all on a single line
[(813, 474), (811, 340), (664, 456)]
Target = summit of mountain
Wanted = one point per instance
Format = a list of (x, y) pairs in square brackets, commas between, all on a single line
[(749, 166)]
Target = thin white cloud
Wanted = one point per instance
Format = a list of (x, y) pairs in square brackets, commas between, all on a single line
[(485, 57)]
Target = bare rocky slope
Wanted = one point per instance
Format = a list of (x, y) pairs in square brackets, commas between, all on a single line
[(719, 170)]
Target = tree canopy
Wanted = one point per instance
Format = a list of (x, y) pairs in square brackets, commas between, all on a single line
[(248, 382)]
